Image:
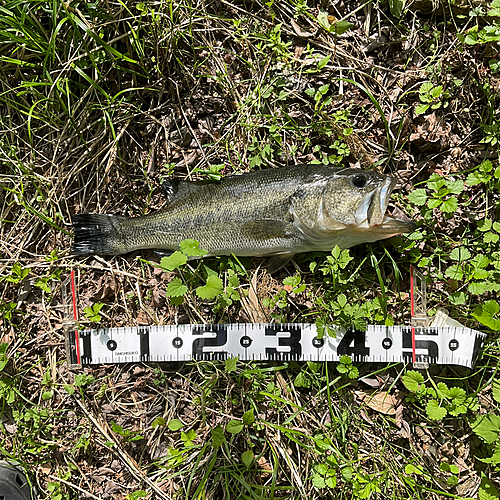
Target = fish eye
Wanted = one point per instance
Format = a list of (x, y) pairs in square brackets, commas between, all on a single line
[(359, 180)]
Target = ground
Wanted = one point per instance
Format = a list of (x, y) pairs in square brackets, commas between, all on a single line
[(102, 102)]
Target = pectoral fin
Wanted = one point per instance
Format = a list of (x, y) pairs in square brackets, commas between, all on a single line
[(267, 229)]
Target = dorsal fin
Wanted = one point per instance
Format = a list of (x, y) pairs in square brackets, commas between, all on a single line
[(174, 189)]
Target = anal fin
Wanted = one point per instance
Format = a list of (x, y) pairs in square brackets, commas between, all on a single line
[(277, 262)]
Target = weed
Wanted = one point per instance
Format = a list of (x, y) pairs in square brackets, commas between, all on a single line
[(443, 195), (431, 96), (92, 312), (8, 311), (345, 367), (487, 428), (439, 400), (291, 286), (127, 435), (17, 274)]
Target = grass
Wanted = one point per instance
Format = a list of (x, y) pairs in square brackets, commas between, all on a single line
[(101, 102)]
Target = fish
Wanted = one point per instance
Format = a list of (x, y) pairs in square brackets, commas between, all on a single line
[(276, 212)]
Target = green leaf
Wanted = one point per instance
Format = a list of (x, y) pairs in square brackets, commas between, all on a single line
[(450, 205), (434, 202), (92, 313), (177, 301), (454, 272), (490, 237), (495, 458), (188, 437), (213, 288), (487, 314), (420, 109), (455, 187), (425, 88), (175, 425), (248, 417), (409, 469), (157, 422), (460, 254), (434, 411), (321, 469), (413, 381), (174, 261), (418, 197), (192, 248), (176, 288), (480, 261), (435, 92), (302, 380), (331, 479), (458, 298), (230, 364), (487, 490), (340, 27), (42, 284), (487, 427), (342, 300), (345, 360), (441, 391), (396, 7), (3, 355), (136, 494), (218, 438), (478, 287), (413, 469), (69, 389), (318, 481), (484, 225), (234, 426), (247, 458), (324, 61), (457, 394), (476, 177), (353, 372)]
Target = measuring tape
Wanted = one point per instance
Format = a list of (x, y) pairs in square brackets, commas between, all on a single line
[(445, 342), (274, 342)]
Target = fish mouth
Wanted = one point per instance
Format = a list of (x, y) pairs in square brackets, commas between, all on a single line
[(376, 217)]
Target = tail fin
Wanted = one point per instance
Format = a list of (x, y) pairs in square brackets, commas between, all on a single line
[(96, 234)]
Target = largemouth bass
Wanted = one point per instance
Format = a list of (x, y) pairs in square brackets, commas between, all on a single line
[(279, 211)]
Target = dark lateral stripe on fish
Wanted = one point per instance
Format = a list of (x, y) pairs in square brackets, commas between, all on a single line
[(92, 233)]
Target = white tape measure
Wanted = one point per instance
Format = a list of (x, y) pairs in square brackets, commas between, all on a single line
[(445, 342), (274, 342)]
